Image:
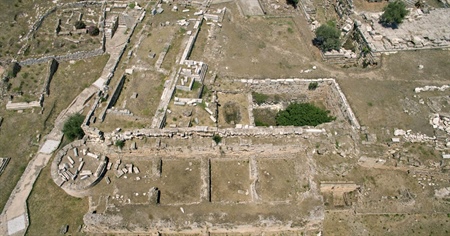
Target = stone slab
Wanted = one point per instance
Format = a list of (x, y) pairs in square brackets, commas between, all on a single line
[(99, 83), (49, 146), (17, 224)]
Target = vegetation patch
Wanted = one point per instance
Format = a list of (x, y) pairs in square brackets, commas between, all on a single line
[(120, 144), (217, 138), (327, 37), (265, 117), (259, 98), (301, 114), (72, 128), (313, 85), (393, 14)]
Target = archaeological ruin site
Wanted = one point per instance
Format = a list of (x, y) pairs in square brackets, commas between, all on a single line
[(178, 108)]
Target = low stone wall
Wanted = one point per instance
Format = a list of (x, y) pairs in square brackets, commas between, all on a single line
[(22, 105), (191, 41), (206, 131), (41, 19), (67, 57), (113, 98), (51, 71)]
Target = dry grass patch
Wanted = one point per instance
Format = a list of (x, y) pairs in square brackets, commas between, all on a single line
[(50, 208), (256, 47), (233, 109), (180, 181), (18, 134), (278, 180), (230, 181)]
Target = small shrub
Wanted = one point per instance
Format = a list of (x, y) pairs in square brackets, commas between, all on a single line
[(120, 144), (217, 138), (80, 25), (25, 75), (313, 85), (72, 128), (261, 123), (132, 5), (327, 37)]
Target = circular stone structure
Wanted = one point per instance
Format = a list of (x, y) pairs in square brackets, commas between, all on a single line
[(76, 168)]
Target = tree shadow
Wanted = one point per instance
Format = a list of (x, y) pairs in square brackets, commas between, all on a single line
[(388, 25), (292, 3)]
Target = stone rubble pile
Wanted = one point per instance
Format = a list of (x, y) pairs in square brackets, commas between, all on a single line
[(408, 136), (419, 30), (440, 122), (431, 88)]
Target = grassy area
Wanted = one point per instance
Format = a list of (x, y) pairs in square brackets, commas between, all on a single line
[(18, 141), (19, 131), (65, 209), (265, 117)]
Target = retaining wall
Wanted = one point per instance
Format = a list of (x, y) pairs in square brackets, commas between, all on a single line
[(67, 57)]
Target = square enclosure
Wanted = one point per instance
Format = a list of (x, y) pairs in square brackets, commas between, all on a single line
[(277, 179), (180, 181), (230, 180)]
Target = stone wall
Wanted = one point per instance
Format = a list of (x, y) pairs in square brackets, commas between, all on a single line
[(22, 105), (206, 131), (53, 66), (191, 41), (67, 57), (113, 98)]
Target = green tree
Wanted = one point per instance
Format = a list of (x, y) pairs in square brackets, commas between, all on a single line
[(393, 14), (327, 37), (72, 128), (301, 114)]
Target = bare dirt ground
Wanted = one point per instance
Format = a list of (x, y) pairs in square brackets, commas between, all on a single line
[(270, 47)]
